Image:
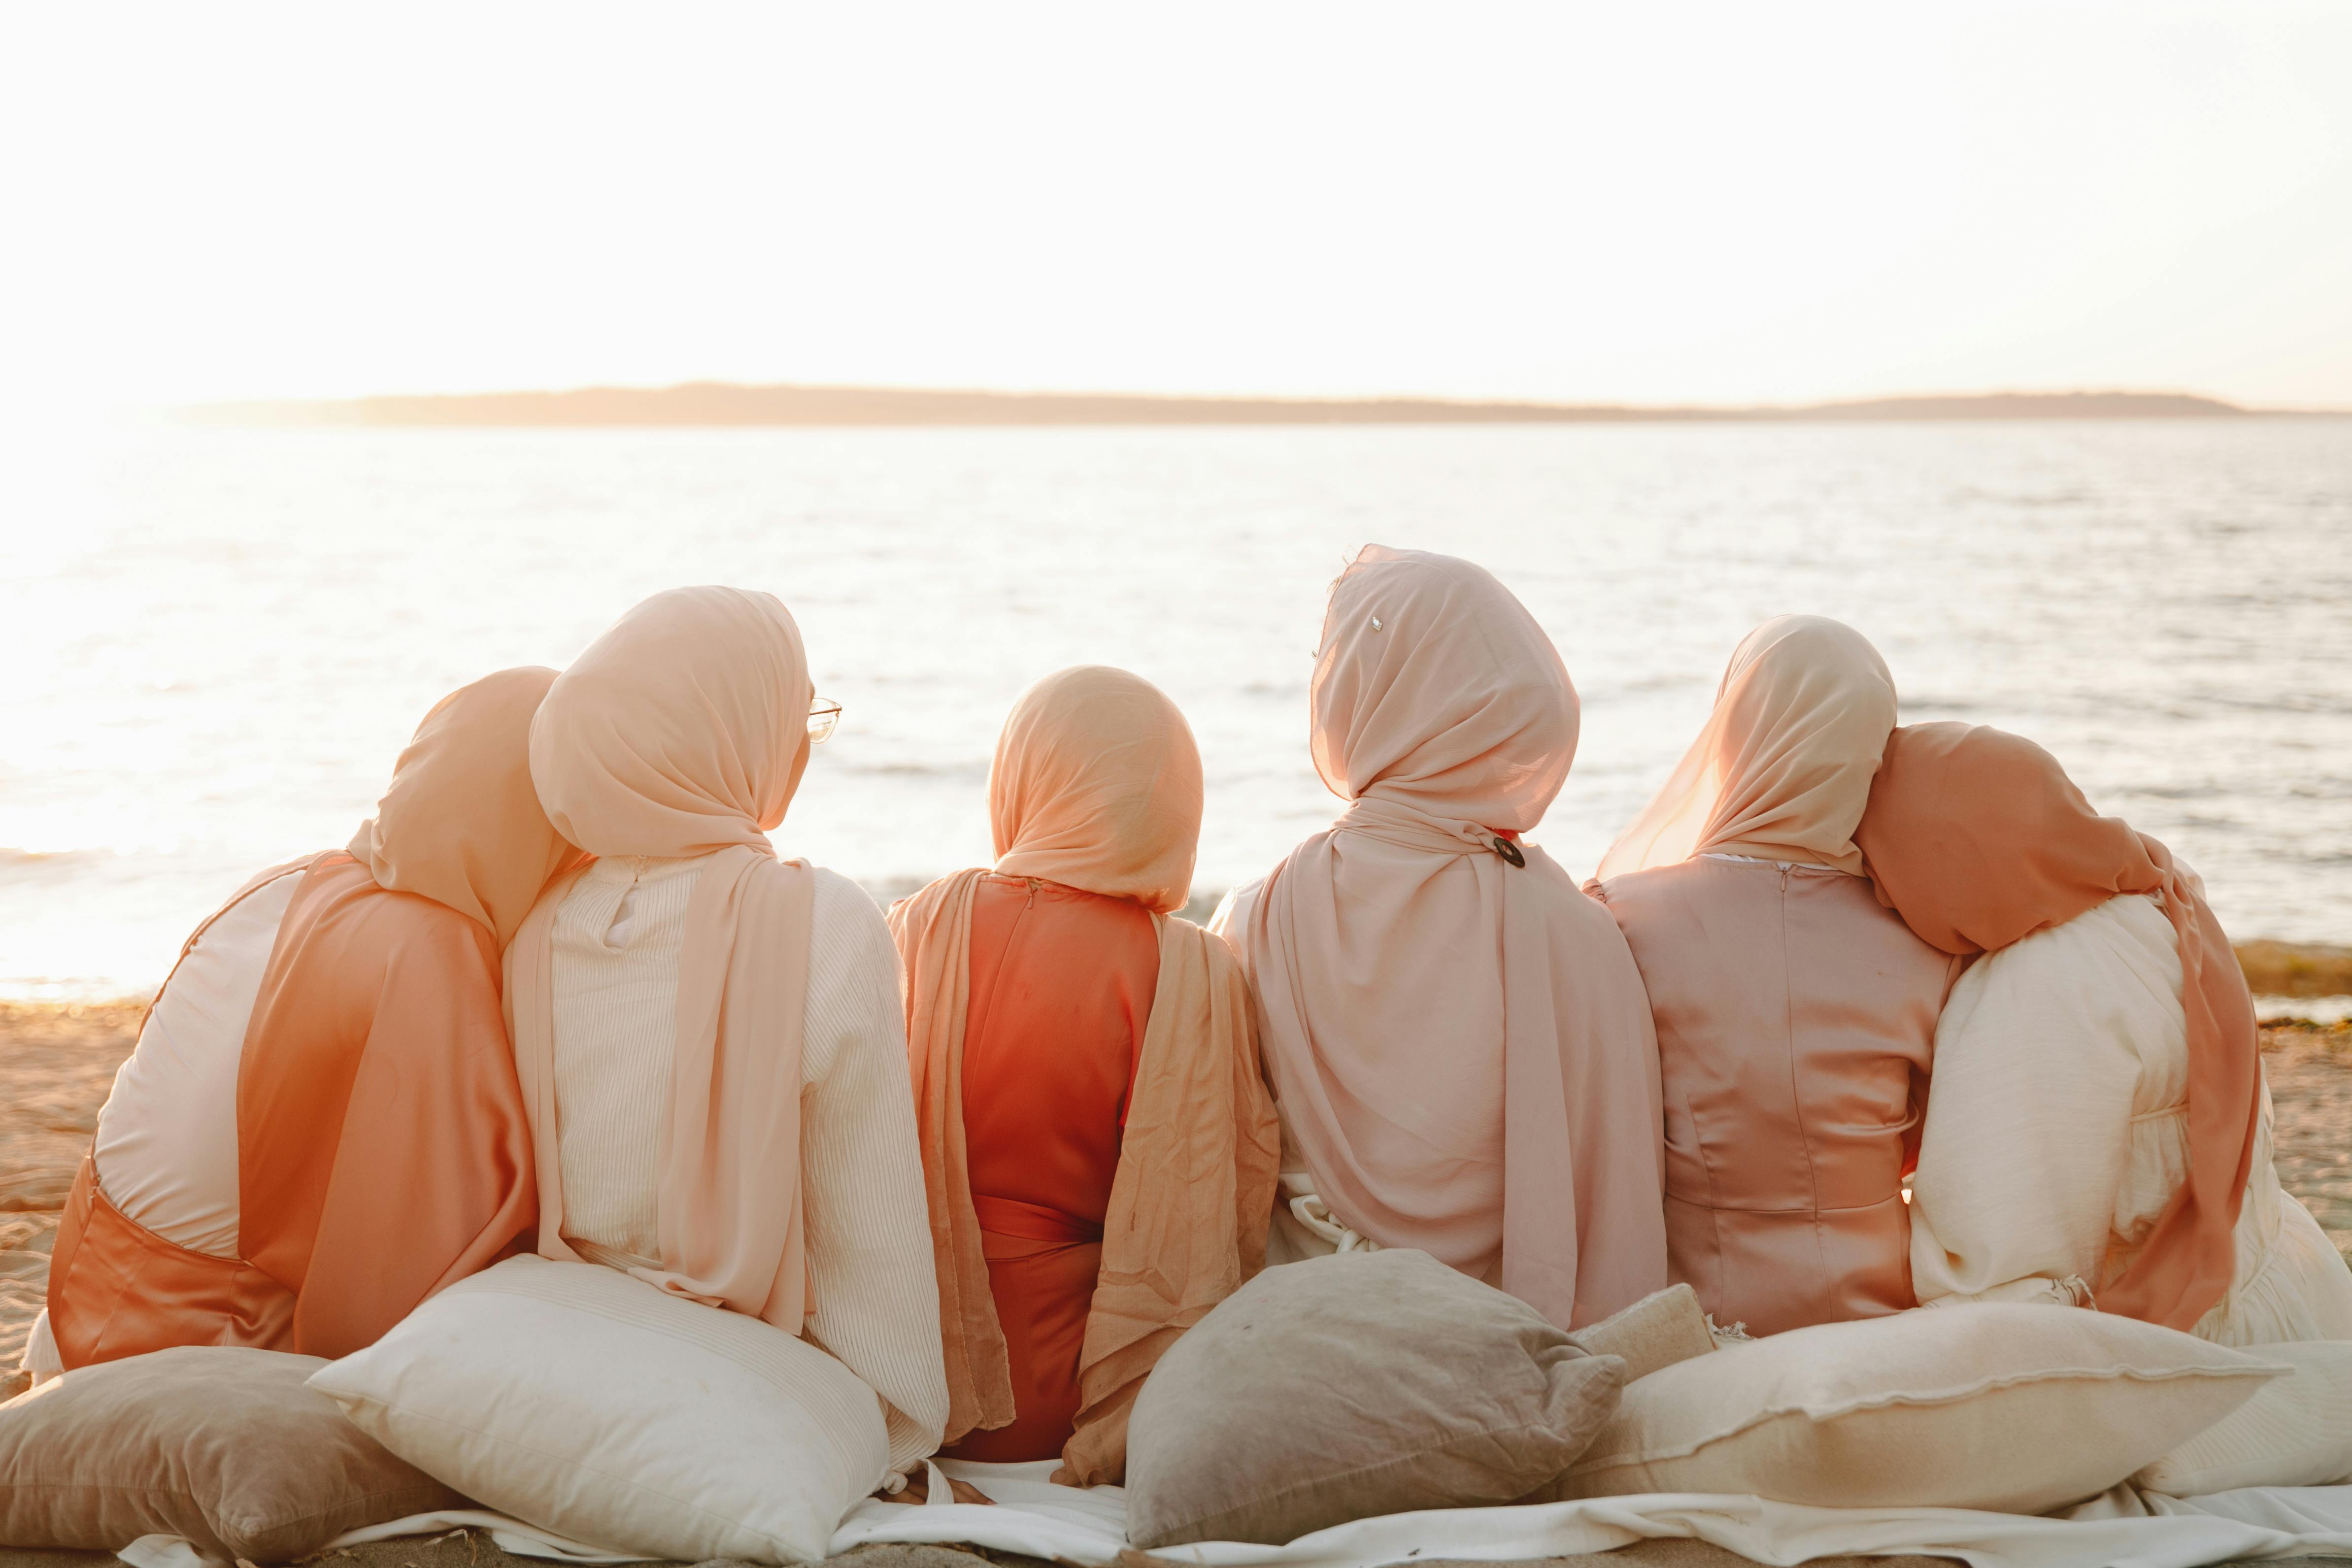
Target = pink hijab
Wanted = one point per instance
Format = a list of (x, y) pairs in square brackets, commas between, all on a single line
[(683, 731), (1458, 1038), (1978, 839)]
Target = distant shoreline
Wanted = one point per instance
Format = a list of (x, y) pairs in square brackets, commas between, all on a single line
[(716, 404)]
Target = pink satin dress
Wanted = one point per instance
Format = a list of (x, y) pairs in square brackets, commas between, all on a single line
[(1062, 982), (1796, 1028)]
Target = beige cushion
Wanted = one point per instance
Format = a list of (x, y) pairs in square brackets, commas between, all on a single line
[(2296, 1431), (1654, 1332), (2018, 1409), (1351, 1386), (598, 1406), (222, 1445)]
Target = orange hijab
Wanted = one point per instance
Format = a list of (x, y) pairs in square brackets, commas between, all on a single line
[(1097, 786), (1459, 1039), (683, 731), (420, 1171), (1978, 839)]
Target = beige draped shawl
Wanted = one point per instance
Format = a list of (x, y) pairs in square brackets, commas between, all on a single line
[(1096, 785), (683, 731), (1781, 769), (1458, 1038)]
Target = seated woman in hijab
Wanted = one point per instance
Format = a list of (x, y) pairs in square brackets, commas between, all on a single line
[(1795, 1015), (320, 1125), (709, 1039), (2098, 1132), (1100, 1145), (1459, 1046)]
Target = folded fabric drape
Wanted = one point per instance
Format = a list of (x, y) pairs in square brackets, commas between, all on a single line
[(1978, 839)]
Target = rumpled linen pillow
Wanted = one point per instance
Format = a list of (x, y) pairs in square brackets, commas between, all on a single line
[(219, 1444), (1347, 1387), (597, 1407), (2018, 1409), (2296, 1431), (1660, 1329)]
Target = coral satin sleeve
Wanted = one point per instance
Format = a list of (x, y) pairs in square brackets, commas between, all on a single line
[(383, 1148), (1061, 991)]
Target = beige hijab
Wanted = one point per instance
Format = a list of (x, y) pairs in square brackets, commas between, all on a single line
[(1458, 1038), (1097, 786), (460, 823), (1781, 770), (683, 731)]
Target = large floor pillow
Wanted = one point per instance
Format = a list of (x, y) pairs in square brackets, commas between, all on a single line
[(2018, 1409), (223, 1445), (593, 1405), (1347, 1387)]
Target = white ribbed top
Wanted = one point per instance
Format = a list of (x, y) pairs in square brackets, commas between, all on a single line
[(617, 937)]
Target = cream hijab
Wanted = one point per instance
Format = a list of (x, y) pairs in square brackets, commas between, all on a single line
[(1458, 1038), (683, 731), (1781, 770), (460, 823), (1097, 786)]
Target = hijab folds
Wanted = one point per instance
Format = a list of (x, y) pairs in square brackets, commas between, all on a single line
[(1978, 839), (1097, 786), (683, 731), (1457, 1037), (1781, 769)]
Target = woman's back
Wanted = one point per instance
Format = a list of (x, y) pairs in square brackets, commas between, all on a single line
[(1796, 1024), (2058, 1133), (1061, 993)]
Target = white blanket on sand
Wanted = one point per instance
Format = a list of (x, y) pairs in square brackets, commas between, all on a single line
[(2124, 1528)]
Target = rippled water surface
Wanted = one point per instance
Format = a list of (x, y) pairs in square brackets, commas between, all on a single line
[(217, 641)]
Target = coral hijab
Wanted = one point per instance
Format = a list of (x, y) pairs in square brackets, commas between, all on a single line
[(1978, 839), (1097, 786), (1781, 770), (683, 731), (1457, 1037)]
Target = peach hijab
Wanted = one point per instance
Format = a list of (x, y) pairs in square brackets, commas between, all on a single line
[(461, 824), (1097, 786), (1458, 1038), (683, 731), (1781, 769), (1978, 839)]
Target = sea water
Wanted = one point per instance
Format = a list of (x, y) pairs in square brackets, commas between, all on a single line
[(215, 643)]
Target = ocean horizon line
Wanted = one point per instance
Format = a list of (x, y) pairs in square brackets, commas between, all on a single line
[(731, 404)]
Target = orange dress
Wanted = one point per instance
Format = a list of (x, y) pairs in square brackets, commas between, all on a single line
[(1062, 984), (382, 1151)]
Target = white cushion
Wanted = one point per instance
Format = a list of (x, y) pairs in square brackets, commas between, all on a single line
[(591, 1404), (2296, 1432), (2020, 1408)]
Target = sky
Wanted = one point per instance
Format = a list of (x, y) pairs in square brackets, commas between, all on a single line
[(1654, 203)]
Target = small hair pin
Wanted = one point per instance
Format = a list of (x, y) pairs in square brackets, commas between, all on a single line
[(1376, 622)]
